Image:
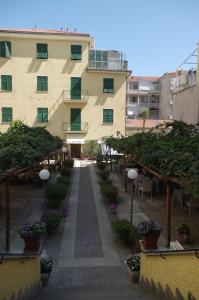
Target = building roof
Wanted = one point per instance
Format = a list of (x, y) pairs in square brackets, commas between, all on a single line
[(145, 78), (43, 31)]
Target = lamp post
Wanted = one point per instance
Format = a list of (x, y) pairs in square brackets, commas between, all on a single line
[(132, 175), (64, 150), (44, 175)]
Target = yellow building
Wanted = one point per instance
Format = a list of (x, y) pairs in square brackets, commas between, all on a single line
[(55, 78)]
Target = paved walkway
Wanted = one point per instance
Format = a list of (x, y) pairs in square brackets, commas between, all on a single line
[(88, 264)]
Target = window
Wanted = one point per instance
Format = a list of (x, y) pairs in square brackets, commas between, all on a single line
[(76, 52), (107, 115), (108, 86), (6, 83), (42, 83), (5, 49), (133, 85), (75, 88), (133, 100), (6, 114), (42, 115), (42, 51)]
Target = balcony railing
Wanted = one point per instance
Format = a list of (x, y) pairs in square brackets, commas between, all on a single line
[(143, 104), (70, 96), (108, 65), (75, 127)]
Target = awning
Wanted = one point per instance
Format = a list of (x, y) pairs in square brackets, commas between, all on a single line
[(75, 141)]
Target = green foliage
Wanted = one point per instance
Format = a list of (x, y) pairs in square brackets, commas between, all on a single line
[(183, 228), (52, 219), (22, 145), (110, 192), (55, 193), (125, 231), (101, 165), (91, 148), (66, 172), (63, 180), (171, 149), (69, 163), (103, 174)]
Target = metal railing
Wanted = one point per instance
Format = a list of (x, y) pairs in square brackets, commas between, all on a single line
[(108, 65), (143, 104), (69, 95), (70, 126)]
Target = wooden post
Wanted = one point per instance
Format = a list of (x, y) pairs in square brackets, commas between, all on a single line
[(7, 197), (168, 199), (111, 161), (125, 175)]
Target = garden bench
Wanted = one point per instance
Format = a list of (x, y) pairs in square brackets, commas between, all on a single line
[(175, 245)]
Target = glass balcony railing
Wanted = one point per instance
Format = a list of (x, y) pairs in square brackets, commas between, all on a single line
[(107, 60), (75, 126)]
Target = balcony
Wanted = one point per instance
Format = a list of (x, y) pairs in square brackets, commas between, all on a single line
[(75, 127), (149, 104), (77, 97), (107, 60)]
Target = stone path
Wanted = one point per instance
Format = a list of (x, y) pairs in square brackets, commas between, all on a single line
[(87, 263)]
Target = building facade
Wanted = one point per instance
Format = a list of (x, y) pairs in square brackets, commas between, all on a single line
[(166, 97), (55, 78)]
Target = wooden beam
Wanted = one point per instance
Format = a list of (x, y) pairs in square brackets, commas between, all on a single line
[(7, 197)]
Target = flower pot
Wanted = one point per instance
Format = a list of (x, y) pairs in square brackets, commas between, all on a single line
[(182, 238), (150, 241), (134, 275), (32, 244), (45, 279)]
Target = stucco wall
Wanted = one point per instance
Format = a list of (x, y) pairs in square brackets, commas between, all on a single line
[(186, 105), (166, 108), (24, 99), (18, 275), (179, 271)]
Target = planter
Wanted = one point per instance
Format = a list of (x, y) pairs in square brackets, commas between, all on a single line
[(182, 238), (45, 279), (134, 275), (32, 244), (150, 241)]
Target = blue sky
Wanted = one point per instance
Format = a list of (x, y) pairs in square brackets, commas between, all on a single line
[(156, 35)]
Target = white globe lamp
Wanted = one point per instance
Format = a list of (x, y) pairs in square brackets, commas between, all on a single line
[(44, 174)]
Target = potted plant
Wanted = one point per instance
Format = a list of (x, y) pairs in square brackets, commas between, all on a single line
[(46, 265), (183, 233), (32, 233), (133, 265), (150, 233)]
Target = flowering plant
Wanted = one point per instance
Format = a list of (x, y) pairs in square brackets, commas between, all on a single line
[(133, 262), (32, 230), (145, 228), (46, 265)]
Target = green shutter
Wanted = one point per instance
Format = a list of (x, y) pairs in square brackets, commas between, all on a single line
[(108, 85), (107, 115), (6, 114), (76, 52), (6, 82), (42, 115), (42, 51), (5, 49), (75, 88), (42, 83), (75, 119)]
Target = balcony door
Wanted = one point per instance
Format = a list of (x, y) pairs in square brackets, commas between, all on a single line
[(75, 119), (76, 88)]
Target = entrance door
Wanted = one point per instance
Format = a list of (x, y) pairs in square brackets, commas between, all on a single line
[(75, 150), (75, 119), (75, 87)]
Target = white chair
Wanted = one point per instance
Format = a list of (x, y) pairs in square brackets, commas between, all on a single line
[(145, 186)]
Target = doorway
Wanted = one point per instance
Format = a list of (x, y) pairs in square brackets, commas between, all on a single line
[(75, 150)]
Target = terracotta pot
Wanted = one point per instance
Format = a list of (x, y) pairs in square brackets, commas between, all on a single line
[(32, 244), (150, 241)]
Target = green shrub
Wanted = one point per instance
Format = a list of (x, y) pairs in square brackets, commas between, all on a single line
[(101, 165), (69, 163), (63, 180), (126, 232), (104, 174), (55, 194), (52, 219), (91, 148), (66, 172), (110, 192)]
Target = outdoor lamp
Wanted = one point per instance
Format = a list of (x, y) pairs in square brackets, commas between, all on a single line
[(64, 150), (44, 174), (132, 175)]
